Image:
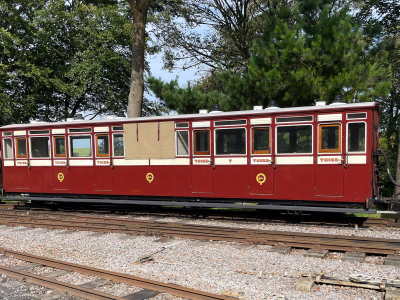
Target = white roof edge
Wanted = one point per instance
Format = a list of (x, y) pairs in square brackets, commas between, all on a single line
[(201, 116)]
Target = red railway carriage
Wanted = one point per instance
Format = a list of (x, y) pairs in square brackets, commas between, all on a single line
[(318, 155)]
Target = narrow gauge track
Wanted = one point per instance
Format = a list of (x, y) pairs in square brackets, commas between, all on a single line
[(139, 227), (172, 289), (276, 217)]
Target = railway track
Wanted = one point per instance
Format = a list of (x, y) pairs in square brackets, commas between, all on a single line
[(154, 228), (276, 217), (149, 285)]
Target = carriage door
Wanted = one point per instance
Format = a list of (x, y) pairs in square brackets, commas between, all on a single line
[(261, 169), (103, 176), (202, 162), (330, 158), (60, 162)]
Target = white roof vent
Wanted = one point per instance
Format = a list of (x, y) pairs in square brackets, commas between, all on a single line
[(203, 111), (34, 121), (111, 117), (70, 119), (320, 103), (257, 107)]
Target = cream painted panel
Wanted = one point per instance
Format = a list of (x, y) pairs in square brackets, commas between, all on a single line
[(58, 131), (357, 159), (261, 160), (20, 132), (130, 162), (294, 160), (40, 162), (330, 117), (231, 160), (60, 162), (170, 162), (201, 124), (101, 129), (102, 162), (21, 163), (81, 162), (260, 121), (330, 160), (9, 163)]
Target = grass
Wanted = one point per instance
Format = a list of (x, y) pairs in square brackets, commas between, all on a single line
[(82, 152)]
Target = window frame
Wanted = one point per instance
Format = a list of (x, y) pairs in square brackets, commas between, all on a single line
[(17, 156), (347, 138), (294, 154), (201, 153), (98, 155), (112, 142), (55, 155), (215, 141), (70, 146), (12, 148), (352, 113), (252, 141), (329, 151), (30, 147), (176, 140), (230, 125)]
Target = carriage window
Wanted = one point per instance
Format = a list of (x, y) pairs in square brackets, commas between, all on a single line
[(21, 147), (80, 146), (118, 144), (356, 137), (102, 145), (40, 147), (59, 146), (8, 149), (261, 140), (201, 142), (182, 142), (230, 141), (294, 139), (329, 138)]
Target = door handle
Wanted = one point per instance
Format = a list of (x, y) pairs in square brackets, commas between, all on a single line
[(346, 155), (213, 162)]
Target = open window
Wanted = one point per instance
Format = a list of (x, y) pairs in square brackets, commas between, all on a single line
[(102, 149), (201, 142), (294, 139), (59, 146), (40, 147), (80, 146), (182, 143), (118, 145), (20, 145), (356, 137), (261, 140), (330, 138), (8, 149), (230, 141)]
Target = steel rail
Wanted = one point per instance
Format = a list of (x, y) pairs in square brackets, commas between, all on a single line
[(140, 227), (172, 289), (60, 286)]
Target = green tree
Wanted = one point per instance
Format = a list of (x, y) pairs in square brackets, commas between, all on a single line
[(315, 50)]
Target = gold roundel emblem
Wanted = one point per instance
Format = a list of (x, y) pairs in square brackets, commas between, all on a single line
[(260, 178), (150, 177), (60, 177)]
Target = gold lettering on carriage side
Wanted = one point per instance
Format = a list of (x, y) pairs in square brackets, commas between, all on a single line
[(149, 177)]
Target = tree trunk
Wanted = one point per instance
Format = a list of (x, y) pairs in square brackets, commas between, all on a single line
[(396, 206), (135, 98)]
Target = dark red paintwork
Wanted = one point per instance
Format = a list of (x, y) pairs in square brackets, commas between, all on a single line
[(312, 182)]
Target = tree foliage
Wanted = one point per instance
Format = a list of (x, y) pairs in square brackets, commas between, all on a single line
[(314, 50)]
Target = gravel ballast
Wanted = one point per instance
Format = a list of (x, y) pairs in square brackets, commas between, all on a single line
[(215, 267)]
